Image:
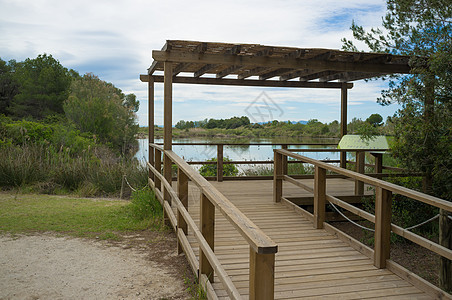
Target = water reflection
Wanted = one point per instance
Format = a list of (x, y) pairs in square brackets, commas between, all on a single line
[(257, 151)]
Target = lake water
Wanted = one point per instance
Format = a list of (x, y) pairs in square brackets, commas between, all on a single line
[(238, 152)]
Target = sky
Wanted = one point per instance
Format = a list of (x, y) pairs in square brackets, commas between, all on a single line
[(114, 40)]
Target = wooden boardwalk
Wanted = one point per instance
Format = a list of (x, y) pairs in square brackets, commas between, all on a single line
[(310, 263)]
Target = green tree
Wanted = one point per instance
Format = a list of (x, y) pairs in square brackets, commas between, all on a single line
[(421, 29), (375, 120), (9, 87), (100, 108), (43, 87)]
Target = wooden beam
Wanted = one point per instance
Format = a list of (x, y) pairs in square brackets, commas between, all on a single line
[(227, 71), (279, 62), (329, 55), (204, 69), (234, 50), (294, 74), (153, 67), (316, 75), (236, 82), (274, 73), (180, 67), (251, 72)]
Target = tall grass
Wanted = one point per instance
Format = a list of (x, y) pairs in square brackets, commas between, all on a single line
[(92, 172)]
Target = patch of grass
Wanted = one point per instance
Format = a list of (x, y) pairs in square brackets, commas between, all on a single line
[(102, 218), (195, 289)]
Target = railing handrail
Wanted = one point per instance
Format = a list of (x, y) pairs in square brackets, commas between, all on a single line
[(255, 237), (428, 199), (220, 271), (251, 144)]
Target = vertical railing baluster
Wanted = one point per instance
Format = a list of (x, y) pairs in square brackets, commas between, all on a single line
[(262, 276), (378, 164), (220, 162), (167, 173), (182, 193), (158, 167), (360, 160), (207, 227), (319, 197), (383, 201), (284, 161), (277, 174)]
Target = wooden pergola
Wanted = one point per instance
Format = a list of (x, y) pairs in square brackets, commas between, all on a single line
[(264, 66)]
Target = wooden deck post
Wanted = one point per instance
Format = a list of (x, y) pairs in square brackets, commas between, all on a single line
[(220, 162), (319, 197), (277, 174), (151, 124), (284, 161), (445, 240), (378, 163), (262, 276), (167, 123), (158, 167), (360, 164), (343, 155), (207, 224), (182, 193), (383, 202)]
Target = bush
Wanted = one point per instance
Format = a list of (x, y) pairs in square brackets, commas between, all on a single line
[(144, 205), (211, 170), (93, 172)]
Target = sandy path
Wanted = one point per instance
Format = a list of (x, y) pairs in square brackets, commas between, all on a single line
[(49, 267)]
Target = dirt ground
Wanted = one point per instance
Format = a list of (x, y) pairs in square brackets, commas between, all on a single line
[(47, 266)]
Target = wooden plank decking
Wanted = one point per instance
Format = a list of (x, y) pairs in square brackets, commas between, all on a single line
[(310, 263)]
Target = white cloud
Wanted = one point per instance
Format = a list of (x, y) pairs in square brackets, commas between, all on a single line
[(114, 40)]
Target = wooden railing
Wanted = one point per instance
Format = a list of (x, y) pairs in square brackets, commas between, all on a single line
[(383, 201), (262, 248), (359, 163)]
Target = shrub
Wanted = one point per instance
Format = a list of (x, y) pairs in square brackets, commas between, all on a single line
[(211, 170)]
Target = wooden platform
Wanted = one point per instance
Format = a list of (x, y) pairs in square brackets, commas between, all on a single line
[(310, 263)]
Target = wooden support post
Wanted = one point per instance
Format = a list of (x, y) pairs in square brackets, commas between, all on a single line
[(262, 276), (319, 197), (167, 123), (360, 160), (182, 193), (277, 174), (207, 224), (167, 105), (378, 163), (343, 155), (167, 173), (220, 162), (383, 202), (158, 167), (151, 131), (445, 240), (284, 161)]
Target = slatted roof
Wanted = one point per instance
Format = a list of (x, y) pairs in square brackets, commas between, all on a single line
[(259, 65)]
